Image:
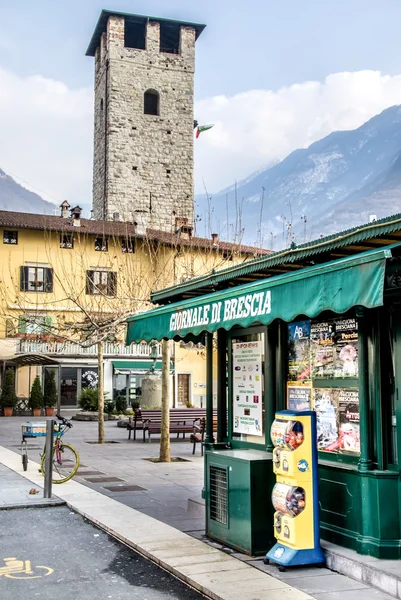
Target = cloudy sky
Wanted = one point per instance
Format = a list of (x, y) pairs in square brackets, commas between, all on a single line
[(273, 76)]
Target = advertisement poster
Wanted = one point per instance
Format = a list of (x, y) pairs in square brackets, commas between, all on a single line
[(348, 408), (299, 396), (322, 349), (247, 388), (334, 348), (346, 348), (299, 368), (325, 403)]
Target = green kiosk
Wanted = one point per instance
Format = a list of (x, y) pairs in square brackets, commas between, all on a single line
[(314, 327)]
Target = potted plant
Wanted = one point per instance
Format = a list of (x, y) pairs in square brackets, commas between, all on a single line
[(50, 393), (8, 396), (36, 398)]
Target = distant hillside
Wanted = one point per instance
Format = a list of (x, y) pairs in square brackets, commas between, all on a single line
[(14, 196), (336, 183)]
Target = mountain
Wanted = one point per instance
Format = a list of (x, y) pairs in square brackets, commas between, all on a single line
[(14, 196), (336, 183)]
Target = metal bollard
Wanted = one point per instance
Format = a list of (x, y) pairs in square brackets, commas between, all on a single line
[(47, 492)]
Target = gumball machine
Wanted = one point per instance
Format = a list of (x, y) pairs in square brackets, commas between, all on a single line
[(295, 495)]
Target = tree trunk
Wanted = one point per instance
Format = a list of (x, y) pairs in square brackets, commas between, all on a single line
[(100, 408), (165, 423)]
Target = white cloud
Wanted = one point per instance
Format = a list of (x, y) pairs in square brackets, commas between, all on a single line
[(46, 132), (256, 127), (46, 128)]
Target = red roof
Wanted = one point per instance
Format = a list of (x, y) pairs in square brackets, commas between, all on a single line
[(19, 220)]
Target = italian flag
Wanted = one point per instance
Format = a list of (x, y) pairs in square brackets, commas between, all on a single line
[(202, 128)]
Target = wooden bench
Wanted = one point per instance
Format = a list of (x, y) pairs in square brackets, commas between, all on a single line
[(198, 435), (182, 420)]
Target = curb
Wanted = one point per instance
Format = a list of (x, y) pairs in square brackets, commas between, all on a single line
[(356, 567)]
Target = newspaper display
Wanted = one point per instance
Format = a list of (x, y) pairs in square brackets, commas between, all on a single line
[(299, 367), (247, 388)]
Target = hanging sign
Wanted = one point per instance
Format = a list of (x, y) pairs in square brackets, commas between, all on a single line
[(247, 388)]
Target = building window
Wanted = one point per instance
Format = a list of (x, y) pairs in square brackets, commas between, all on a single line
[(66, 240), (101, 244), (169, 38), (34, 324), (36, 279), (128, 245), (103, 283), (10, 237), (134, 35), (151, 103)]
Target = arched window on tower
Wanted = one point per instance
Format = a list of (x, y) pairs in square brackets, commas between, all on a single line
[(151, 103)]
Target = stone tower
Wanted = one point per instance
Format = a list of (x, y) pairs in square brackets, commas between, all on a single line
[(143, 138)]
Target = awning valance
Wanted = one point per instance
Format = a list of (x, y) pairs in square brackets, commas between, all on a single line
[(335, 286), (136, 365)]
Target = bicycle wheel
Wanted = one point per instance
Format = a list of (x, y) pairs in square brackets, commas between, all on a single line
[(67, 465), (25, 461)]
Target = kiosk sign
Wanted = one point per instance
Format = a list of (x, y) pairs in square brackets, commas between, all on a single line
[(247, 388)]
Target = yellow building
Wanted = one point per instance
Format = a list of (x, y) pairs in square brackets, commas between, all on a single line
[(65, 280)]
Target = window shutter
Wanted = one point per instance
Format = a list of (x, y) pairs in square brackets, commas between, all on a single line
[(24, 278), (10, 328), (48, 324), (89, 282), (112, 284), (48, 280), (21, 324)]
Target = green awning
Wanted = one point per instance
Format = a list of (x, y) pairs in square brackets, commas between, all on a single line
[(335, 286), (135, 365)]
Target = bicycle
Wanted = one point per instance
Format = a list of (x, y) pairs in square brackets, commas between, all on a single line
[(65, 456)]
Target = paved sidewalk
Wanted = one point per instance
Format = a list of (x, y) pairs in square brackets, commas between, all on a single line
[(14, 492), (208, 570), (171, 493), (206, 567)]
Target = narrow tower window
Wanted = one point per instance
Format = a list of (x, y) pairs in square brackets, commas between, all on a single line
[(169, 38), (134, 35), (151, 103)]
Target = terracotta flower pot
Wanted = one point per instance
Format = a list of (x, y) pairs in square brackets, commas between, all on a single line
[(36, 412), (8, 412), (49, 410)]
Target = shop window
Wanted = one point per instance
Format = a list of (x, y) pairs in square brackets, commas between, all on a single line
[(36, 279), (248, 405), (128, 245), (101, 244), (90, 378), (67, 240), (10, 237), (151, 103), (102, 283), (323, 376)]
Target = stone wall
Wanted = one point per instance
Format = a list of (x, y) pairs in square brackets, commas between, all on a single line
[(143, 167)]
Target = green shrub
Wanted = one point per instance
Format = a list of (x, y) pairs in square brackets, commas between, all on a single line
[(50, 391), (8, 396), (121, 405), (36, 395), (89, 400)]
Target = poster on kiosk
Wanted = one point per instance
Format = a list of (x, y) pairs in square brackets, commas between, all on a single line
[(295, 494)]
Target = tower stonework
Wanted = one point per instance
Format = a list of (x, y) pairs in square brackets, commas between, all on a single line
[(143, 133)]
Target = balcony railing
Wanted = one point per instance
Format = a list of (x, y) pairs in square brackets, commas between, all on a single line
[(71, 349)]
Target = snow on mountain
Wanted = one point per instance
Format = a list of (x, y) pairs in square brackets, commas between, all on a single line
[(334, 184)]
